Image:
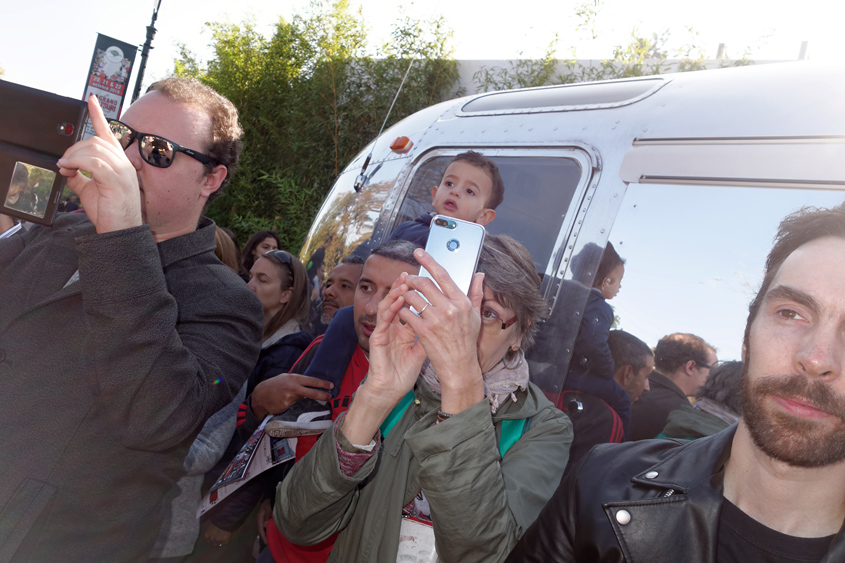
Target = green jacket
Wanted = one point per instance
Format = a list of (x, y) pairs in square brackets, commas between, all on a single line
[(480, 504), (690, 423)]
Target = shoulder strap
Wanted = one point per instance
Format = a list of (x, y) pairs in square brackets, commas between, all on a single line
[(512, 431), (396, 413)]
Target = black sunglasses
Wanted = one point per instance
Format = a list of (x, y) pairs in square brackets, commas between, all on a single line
[(155, 150), (280, 255)]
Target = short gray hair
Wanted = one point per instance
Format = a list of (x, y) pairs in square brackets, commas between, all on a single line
[(510, 273)]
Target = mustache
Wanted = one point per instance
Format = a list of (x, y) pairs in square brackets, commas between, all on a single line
[(330, 302), (816, 393)]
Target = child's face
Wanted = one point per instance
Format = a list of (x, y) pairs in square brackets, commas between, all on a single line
[(463, 193)]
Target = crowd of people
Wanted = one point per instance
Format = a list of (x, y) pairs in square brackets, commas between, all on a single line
[(143, 352)]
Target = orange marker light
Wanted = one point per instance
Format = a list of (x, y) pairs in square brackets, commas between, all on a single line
[(401, 145)]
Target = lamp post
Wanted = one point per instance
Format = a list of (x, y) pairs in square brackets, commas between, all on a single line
[(145, 52)]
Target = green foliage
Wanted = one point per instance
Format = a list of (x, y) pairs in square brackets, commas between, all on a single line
[(521, 73), (640, 56), (310, 97)]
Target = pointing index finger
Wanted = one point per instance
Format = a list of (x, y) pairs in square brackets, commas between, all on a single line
[(99, 121)]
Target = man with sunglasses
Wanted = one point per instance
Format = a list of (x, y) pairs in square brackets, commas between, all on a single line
[(120, 332), (682, 363)]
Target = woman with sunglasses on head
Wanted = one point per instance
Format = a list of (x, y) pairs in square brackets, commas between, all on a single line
[(280, 282), (459, 450)]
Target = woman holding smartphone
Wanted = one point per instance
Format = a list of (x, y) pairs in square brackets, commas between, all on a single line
[(460, 450)]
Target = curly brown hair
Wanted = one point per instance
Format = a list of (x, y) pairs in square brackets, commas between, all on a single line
[(226, 132)]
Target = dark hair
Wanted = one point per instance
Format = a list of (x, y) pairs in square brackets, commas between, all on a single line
[(292, 277), (497, 194), (609, 260), (225, 143), (225, 249), (723, 386), (20, 176), (797, 229), (628, 350), (246, 255), (399, 250), (584, 263), (315, 262), (674, 350), (353, 259), (510, 273)]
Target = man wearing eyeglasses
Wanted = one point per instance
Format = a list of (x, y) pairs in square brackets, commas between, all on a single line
[(120, 332), (682, 363)]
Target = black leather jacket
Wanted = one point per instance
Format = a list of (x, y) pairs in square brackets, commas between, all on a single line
[(653, 501)]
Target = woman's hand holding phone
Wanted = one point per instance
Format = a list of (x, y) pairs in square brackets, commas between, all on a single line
[(448, 330)]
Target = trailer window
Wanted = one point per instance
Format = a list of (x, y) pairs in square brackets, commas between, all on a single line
[(538, 194)]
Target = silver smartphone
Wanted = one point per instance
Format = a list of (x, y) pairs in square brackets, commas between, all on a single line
[(455, 245)]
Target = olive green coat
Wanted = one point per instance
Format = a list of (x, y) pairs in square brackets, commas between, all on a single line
[(480, 504)]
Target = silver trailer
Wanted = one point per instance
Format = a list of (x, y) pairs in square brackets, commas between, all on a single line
[(710, 162)]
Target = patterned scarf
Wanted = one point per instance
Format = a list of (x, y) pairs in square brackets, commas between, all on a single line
[(500, 382)]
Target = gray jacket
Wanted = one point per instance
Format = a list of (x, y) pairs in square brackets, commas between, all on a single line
[(480, 504), (106, 381)]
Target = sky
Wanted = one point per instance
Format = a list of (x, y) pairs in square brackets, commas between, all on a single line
[(47, 44)]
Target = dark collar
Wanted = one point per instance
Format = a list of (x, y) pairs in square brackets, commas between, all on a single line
[(191, 244), (684, 469), (661, 380)]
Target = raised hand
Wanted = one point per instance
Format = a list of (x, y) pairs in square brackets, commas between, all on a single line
[(395, 354), (395, 360), (448, 330), (111, 196)]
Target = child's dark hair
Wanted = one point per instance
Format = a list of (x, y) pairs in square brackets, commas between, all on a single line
[(497, 194)]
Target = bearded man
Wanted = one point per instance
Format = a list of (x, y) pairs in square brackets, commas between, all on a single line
[(770, 488)]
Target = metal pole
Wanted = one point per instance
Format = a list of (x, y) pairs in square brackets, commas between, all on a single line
[(145, 52)]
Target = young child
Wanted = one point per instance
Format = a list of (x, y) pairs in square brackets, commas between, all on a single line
[(471, 189), (591, 368)]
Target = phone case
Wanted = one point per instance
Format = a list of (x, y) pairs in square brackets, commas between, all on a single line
[(455, 245)]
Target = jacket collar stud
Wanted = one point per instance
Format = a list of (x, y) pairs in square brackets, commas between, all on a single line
[(623, 517)]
